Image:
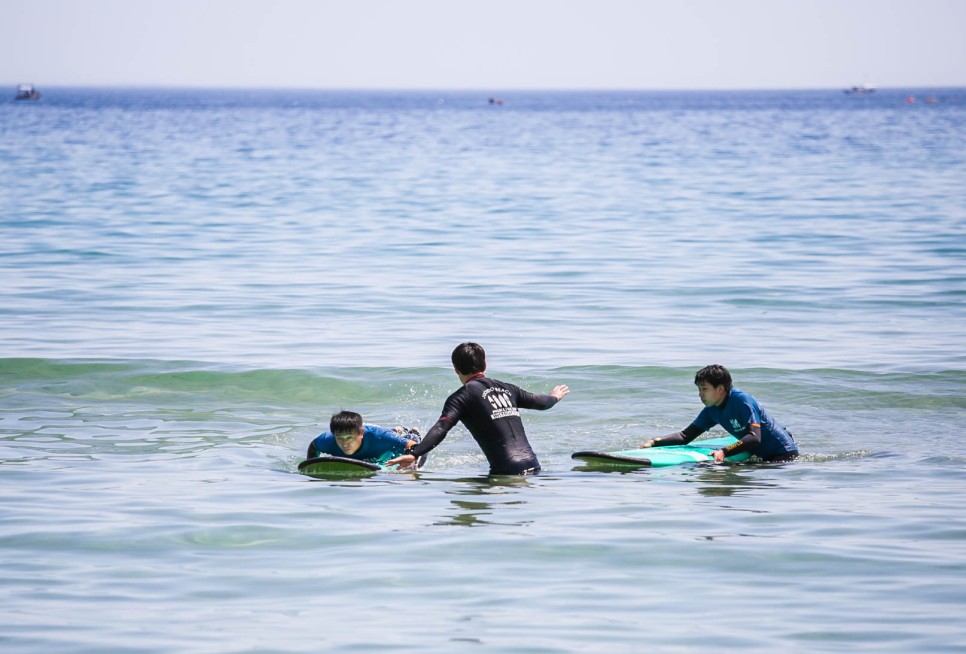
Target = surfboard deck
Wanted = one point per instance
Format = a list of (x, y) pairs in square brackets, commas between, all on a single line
[(337, 466), (327, 466), (658, 457)]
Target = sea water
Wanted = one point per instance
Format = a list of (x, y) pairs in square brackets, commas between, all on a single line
[(193, 281)]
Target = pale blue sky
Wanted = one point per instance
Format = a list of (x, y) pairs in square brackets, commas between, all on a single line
[(492, 44)]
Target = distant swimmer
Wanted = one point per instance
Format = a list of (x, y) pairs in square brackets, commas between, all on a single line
[(349, 437), (490, 410), (740, 414)]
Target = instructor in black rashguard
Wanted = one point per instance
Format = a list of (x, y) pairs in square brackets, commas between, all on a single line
[(490, 410)]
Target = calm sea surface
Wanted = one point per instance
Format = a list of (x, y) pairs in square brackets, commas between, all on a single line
[(192, 282)]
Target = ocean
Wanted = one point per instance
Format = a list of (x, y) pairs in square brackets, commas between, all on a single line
[(193, 281)]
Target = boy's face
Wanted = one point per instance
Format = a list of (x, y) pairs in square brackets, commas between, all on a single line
[(349, 442), (711, 395)]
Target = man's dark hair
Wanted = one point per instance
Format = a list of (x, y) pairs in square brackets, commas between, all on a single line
[(715, 374), (469, 358), (345, 422)]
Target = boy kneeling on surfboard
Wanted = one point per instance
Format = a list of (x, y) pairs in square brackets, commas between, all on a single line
[(740, 414), (349, 437)]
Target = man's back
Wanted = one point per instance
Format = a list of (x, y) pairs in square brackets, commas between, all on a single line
[(490, 410)]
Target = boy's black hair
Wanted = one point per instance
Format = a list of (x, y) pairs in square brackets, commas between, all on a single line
[(469, 358), (715, 374), (345, 422)]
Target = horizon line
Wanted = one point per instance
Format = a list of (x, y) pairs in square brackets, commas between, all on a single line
[(471, 89)]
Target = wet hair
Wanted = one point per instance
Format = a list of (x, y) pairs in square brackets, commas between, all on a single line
[(469, 358), (715, 374), (345, 422)]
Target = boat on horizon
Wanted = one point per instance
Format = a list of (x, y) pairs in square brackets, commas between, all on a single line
[(863, 89), (27, 92)]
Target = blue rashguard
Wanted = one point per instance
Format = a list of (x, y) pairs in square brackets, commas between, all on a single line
[(378, 445), (741, 416)]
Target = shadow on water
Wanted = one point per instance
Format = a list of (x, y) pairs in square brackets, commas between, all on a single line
[(726, 481), (479, 498), (714, 480), (473, 500), (743, 478)]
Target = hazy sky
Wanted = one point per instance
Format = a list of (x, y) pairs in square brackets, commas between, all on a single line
[(492, 44)]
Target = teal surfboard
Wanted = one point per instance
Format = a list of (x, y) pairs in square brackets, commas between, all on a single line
[(658, 457)]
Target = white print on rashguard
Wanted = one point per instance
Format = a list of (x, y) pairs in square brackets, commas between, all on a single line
[(500, 399)]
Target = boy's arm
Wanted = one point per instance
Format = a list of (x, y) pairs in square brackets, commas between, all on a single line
[(748, 415), (313, 450), (682, 437), (748, 442)]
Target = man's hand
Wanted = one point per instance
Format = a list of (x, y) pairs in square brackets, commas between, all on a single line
[(718, 455), (403, 461), (559, 391), (648, 443)]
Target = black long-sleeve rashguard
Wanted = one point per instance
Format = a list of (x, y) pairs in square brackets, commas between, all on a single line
[(490, 410)]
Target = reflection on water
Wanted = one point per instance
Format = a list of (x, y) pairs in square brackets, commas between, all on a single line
[(623, 470), (715, 480), (501, 493), (728, 480)]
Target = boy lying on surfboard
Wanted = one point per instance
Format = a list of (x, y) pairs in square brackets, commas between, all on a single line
[(349, 438)]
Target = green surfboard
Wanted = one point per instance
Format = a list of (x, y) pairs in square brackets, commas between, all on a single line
[(328, 467), (337, 466)]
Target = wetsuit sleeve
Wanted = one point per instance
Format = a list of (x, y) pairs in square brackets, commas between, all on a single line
[(746, 413), (313, 450), (452, 413), (434, 437), (682, 437), (527, 400), (748, 442)]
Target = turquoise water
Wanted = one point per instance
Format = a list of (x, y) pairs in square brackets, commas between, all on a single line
[(192, 282)]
